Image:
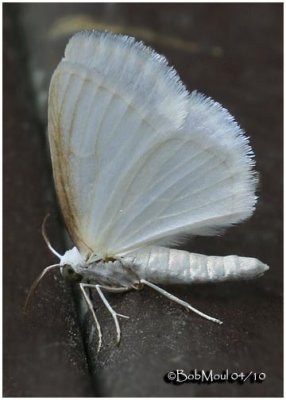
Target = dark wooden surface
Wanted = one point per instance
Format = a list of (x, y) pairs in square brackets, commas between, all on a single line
[(232, 52)]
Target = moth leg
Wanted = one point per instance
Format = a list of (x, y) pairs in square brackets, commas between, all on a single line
[(136, 284), (113, 313), (179, 301), (90, 305)]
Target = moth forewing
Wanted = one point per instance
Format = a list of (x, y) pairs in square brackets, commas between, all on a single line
[(61, 159)]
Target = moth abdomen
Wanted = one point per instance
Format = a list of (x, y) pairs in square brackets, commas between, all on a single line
[(171, 266)]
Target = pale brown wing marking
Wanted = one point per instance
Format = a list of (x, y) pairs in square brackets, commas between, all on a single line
[(62, 179)]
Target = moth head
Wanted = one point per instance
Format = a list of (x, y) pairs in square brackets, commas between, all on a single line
[(69, 274), (72, 258), (72, 263)]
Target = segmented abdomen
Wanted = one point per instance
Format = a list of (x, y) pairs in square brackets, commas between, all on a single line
[(168, 266)]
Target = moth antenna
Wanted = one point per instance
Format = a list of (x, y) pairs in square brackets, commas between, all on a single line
[(35, 284), (48, 243)]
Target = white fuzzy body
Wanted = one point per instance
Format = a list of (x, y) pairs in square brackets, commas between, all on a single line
[(168, 266), (139, 162)]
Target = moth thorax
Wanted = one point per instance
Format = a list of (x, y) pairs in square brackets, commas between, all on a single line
[(107, 259)]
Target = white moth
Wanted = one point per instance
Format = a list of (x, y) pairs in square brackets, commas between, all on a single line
[(139, 163)]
